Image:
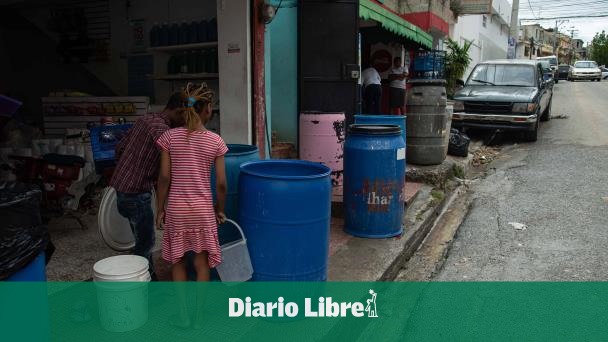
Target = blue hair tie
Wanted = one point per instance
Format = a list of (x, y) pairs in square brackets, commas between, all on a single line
[(191, 101)]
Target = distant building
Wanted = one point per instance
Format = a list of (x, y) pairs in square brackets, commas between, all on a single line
[(534, 41), (488, 32)]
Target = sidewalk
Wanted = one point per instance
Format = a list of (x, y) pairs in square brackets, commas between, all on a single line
[(350, 258)]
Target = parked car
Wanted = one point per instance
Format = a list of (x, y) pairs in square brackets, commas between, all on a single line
[(509, 94), (604, 73), (586, 70), (552, 60), (564, 72), (549, 74)]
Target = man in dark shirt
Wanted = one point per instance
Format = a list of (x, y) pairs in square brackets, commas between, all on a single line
[(137, 171)]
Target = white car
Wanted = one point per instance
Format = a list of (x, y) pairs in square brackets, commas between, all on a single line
[(604, 73), (586, 70)]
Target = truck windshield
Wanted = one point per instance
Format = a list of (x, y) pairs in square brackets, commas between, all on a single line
[(551, 60), (503, 74)]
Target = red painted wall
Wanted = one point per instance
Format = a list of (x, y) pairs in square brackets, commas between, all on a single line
[(259, 93), (427, 20)]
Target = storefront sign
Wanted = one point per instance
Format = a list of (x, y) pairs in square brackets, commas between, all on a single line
[(475, 7)]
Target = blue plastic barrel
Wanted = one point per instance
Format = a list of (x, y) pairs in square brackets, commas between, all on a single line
[(237, 154), (34, 271), (374, 176), (285, 212), (399, 120)]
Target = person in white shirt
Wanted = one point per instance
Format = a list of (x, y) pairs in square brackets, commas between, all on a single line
[(397, 78), (372, 90)]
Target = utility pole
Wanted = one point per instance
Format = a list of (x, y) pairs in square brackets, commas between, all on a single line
[(572, 50), (531, 46), (557, 22), (513, 31)]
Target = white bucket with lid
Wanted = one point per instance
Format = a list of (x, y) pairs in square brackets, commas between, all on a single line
[(122, 292)]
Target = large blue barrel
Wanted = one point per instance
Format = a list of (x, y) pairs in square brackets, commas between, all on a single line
[(285, 212), (237, 154), (374, 175), (399, 120)]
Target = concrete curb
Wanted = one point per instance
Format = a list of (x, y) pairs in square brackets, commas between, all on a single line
[(417, 235)]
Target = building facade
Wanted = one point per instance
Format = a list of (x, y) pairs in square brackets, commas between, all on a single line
[(534, 41), (489, 33)]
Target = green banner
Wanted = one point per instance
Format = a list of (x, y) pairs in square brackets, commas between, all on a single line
[(437, 311)]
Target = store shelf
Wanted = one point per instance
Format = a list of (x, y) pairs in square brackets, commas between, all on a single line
[(179, 77), (170, 48)]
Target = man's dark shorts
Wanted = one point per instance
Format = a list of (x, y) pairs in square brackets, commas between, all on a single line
[(396, 97)]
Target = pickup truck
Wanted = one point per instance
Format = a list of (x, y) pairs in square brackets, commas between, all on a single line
[(510, 94)]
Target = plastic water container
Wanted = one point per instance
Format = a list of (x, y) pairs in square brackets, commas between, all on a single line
[(237, 154), (163, 35), (155, 35), (236, 263), (322, 141), (285, 212), (374, 175), (122, 292), (34, 271)]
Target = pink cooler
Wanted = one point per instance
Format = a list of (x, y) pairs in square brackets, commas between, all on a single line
[(322, 141)]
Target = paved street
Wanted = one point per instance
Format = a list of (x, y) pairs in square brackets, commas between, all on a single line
[(556, 188)]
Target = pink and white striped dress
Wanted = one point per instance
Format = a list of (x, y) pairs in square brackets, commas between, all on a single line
[(190, 217)]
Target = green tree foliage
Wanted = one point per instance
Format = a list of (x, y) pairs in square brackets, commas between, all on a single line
[(599, 48), (457, 62)]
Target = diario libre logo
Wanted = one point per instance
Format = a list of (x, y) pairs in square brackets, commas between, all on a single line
[(321, 307)]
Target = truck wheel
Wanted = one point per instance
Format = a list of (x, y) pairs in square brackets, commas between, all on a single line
[(532, 136), (547, 113)]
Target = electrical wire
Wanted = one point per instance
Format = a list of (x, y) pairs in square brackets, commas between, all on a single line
[(568, 17)]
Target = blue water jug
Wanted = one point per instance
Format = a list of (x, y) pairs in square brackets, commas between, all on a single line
[(163, 35), (174, 34), (202, 31), (154, 35), (184, 33), (193, 32)]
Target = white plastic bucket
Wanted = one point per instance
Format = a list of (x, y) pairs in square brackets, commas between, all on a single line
[(236, 263), (122, 292)]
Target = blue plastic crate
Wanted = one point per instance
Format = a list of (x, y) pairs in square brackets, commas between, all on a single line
[(104, 140)]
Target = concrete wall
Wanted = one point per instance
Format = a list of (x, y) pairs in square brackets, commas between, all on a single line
[(489, 41), (234, 50), (282, 40)]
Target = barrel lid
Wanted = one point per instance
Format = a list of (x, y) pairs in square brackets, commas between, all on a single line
[(314, 112), (285, 169), (427, 82), (115, 229), (375, 129), (241, 149), (120, 266)]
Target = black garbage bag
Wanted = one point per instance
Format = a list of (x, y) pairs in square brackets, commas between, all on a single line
[(459, 143), (22, 235)]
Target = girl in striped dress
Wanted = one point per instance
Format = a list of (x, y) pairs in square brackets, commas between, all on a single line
[(190, 220)]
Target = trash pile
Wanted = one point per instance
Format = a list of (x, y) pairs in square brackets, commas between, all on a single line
[(484, 155)]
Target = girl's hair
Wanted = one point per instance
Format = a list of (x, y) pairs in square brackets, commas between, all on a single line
[(196, 99)]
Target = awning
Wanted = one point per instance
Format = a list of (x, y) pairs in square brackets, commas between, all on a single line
[(368, 9)]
